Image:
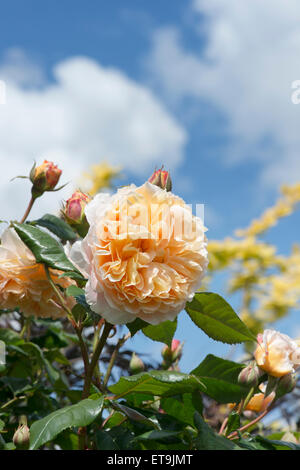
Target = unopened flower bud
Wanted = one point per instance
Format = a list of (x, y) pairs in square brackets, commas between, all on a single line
[(74, 208), (286, 384), (22, 435), (173, 353), (136, 364), (162, 179), (250, 375), (74, 212), (44, 177)]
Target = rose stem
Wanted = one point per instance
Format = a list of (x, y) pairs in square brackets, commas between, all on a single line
[(31, 202)]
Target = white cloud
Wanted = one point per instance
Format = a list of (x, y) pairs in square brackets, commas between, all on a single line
[(244, 69), (87, 114)]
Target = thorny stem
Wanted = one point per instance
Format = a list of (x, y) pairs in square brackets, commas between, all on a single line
[(31, 202), (114, 356)]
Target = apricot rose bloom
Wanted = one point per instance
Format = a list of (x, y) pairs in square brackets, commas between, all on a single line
[(276, 353), (137, 261), (23, 282)]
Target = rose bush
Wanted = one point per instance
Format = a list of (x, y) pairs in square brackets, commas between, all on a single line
[(68, 287)]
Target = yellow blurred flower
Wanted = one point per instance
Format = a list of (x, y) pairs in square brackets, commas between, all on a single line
[(100, 176), (23, 282)]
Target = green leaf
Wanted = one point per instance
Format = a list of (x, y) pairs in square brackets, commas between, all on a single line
[(81, 414), (104, 441), (164, 332), (9, 336), (277, 444), (208, 440), (220, 378), (136, 326), (181, 408), (161, 383), (234, 422), (46, 249), (134, 415), (160, 436), (74, 291), (217, 319), (57, 226), (53, 374)]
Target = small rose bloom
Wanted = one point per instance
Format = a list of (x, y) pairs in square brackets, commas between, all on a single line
[(139, 261), (45, 176), (259, 402), (23, 282), (276, 353)]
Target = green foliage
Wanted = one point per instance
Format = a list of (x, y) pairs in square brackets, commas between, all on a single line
[(46, 249), (81, 414), (220, 379), (217, 319), (162, 383), (57, 226)]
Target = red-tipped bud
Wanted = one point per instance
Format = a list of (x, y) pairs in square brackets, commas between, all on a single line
[(162, 179), (22, 435), (44, 177), (173, 353), (136, 364), (250, 375), (75, 206), (74, 212)]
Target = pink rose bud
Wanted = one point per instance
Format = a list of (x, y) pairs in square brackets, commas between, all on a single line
[(75, 206), (44, 177), (136, 364), (162, 179), (174, 353)]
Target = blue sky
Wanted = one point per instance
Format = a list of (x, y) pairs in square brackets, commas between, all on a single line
[(207, 85)]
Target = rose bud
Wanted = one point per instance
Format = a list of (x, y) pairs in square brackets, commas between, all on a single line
[(162, 179), (250, 375), (286, 384), (136, 364), (22, 435), (74, 208), (44, 178), (74, 212), (173, 353)]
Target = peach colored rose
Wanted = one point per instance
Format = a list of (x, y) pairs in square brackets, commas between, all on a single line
[(258, 403), (23, 282), (138, 260), (276, 353)]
